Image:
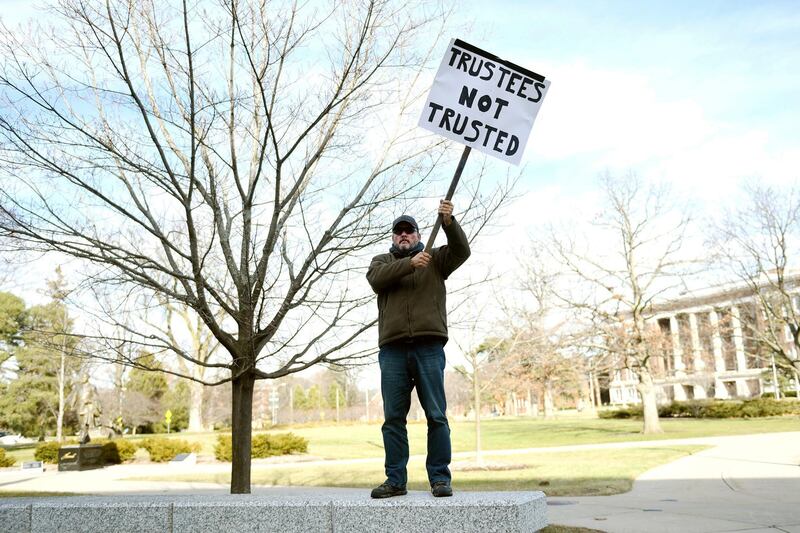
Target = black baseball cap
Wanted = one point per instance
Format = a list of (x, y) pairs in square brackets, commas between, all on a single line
[(408, 220)]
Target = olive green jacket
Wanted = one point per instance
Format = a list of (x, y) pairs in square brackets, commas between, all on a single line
[(412, 302)]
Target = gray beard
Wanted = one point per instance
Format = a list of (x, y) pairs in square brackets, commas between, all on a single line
[(397, 252)]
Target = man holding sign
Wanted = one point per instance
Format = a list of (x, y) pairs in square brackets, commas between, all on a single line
[(485, 103), (412, 332)]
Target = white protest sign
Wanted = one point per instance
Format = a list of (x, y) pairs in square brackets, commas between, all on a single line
[(484, 102)]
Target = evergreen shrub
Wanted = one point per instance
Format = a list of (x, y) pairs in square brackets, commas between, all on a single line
[(6, 461), (753, 408), (784, 394), (116, 451), (263, 445), (47, 452), (162, 449)]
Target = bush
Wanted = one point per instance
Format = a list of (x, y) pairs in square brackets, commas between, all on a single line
[(116, 451), (6, 461), (263, 445), (162, 449), (266, 445), (622, 413), (223, 449), (784, 394), (754, 408), (47, 452), (721, 409)]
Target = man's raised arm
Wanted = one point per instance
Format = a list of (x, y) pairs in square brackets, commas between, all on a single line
[(383, 272)]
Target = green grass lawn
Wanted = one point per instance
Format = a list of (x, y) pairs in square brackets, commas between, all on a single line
[(360, 441), (352, 441), (585, 473)]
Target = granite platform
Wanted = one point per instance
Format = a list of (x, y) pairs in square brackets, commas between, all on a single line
[(301, 512)]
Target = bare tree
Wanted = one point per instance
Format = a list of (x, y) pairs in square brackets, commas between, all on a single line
[(757, 242), (612, 283), (236, 158), (544, 349), (183, 327), (485, 364), (62, 342)]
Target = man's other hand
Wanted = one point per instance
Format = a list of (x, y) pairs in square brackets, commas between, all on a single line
[(421, 260), (446, 210)]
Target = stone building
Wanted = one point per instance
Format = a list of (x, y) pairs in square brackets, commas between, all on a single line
[(707, 348)]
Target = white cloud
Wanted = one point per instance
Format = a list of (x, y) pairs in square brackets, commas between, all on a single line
[(618, 116)]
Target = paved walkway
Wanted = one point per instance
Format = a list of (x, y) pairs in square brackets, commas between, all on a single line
[(744, 483)]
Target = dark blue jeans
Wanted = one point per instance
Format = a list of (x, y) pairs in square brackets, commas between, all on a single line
[(404, 366)]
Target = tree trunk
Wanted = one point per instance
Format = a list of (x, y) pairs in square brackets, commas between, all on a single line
[(529, 404), (242, 432), (549, 410), (598, 399), (61, 402), (797, 383), (647, 392), (476, 393), (196, 407)]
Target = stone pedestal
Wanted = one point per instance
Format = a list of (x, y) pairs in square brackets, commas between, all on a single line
[(288, 510)]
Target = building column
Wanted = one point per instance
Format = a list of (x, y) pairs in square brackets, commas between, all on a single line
[(697, 353), (738, 342), (719, 362), (697, 356), (677, 353)]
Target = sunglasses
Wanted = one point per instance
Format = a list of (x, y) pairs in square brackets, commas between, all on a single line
[(405, 229)]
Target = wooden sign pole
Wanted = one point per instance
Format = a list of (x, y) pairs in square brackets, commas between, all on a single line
[(450, 192)]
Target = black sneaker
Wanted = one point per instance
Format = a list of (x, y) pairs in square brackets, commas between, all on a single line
[(441, 488), (387, 490)]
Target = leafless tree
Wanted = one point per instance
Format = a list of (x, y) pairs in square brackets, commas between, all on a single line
[(238, 158), (633, 261), (183, 327), (485, 364), (139, 410), (757, 242), (545, 346)]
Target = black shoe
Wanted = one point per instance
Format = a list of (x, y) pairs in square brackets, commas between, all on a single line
[(441, 488), (387, 490)]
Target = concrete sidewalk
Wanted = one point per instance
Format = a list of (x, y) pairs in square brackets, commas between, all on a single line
[(745, 483)]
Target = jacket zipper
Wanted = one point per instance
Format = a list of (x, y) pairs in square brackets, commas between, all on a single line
[(408, 302)]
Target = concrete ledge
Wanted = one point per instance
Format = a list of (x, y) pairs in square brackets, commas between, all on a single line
[(465, 512), (251, 515), (279, 510), (111, 514), (15, 518)]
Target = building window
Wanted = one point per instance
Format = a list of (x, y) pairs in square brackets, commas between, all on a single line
[(706, 337), (750, 334), (666, 346), (730, 388), (753, 387)]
